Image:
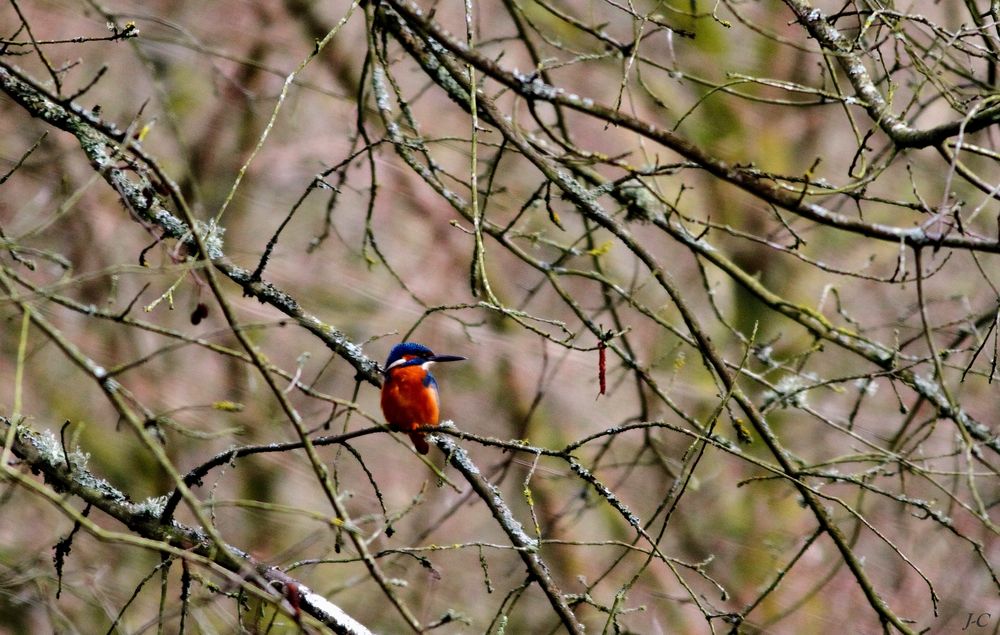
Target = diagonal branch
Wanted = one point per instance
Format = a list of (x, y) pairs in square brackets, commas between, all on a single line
[(44, 455), (903, 135), (526, 546), (749, 180), (447, 73), (138, 185)]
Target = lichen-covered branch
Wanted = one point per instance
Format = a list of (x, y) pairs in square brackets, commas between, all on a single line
[(66, 471)]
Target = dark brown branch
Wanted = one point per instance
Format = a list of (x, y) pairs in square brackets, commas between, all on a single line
[(746, 179)]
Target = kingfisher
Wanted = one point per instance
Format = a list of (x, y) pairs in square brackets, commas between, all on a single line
[(409, 392)]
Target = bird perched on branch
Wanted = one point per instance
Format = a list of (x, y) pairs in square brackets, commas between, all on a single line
[(409, 392)]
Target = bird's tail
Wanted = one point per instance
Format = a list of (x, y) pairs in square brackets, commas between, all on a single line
[(419, 442)]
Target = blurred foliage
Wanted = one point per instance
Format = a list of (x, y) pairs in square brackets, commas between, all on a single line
[(706, 187)]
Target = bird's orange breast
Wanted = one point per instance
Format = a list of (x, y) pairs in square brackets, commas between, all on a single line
[(408, 399)]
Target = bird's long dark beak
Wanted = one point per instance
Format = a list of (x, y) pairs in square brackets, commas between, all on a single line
[(445, 358)]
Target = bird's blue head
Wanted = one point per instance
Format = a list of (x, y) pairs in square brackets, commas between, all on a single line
[(413, 354)]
